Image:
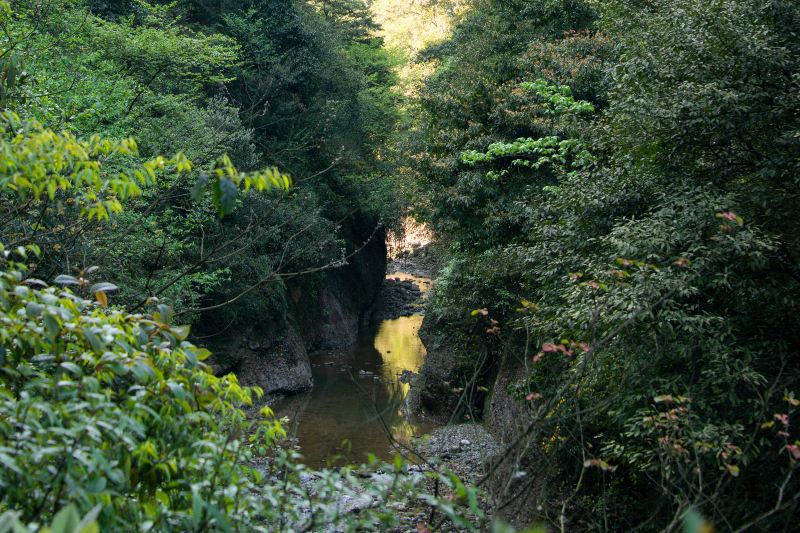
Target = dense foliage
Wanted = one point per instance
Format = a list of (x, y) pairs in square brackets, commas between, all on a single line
[(618, 182), (109, 417), (282, 83), (117, 415)]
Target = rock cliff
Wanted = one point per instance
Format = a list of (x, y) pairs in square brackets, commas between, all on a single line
[(324, 311)]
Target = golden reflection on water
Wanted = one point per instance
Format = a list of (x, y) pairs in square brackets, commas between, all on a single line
[(358, 395), (398, 343)]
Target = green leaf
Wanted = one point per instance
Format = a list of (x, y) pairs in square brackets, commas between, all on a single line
[(33, 309), (8, 461), (72, 367), (51, 325), (96, 342), (220, 520), (10, 523), (199, 187), (225, 193), (89, 522), (104, 287), (63, 279), (66, 520), (181, 332), (197, 507), (165, 313)]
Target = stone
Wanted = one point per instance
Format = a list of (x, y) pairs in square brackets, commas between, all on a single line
[(280, 366)]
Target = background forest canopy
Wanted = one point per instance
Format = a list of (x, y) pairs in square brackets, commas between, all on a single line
[(618, 184), (306, 87), (615, 183)]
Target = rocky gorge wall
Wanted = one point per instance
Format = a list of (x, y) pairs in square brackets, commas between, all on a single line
[(324, 311), (439, 391)]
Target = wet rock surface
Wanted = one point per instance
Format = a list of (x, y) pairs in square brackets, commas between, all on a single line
[(432, 391), (329, 312), (423, 262), (398, 297), (277, 365), (339, 323), (406, 286)]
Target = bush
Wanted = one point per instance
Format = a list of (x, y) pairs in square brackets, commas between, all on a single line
[(117, 414)]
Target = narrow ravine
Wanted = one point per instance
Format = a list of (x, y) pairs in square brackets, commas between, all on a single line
[(359, 392)]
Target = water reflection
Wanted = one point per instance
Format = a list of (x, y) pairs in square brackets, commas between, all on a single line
[(400, 347), (358, 396)]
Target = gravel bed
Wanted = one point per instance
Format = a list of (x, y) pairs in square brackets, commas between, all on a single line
[(464, 449)]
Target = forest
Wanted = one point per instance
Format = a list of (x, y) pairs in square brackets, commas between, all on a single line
[(196, 199)]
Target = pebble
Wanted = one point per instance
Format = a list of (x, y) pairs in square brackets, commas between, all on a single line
[(463, 448)]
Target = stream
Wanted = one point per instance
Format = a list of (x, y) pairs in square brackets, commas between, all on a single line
[(359, 395)]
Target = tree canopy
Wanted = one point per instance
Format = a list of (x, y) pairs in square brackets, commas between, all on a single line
[(617, 183)]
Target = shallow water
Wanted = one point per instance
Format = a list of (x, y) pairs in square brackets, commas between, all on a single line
[(358, 396)]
